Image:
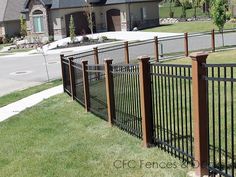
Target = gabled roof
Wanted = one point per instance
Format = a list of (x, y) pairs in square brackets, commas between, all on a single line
[(59, 4), (10, 9), (44, 2)]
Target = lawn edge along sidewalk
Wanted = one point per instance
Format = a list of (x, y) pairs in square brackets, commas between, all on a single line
[(19, 106)]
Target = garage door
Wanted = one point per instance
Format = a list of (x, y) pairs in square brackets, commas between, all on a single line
[(81, 23), (113, 20)]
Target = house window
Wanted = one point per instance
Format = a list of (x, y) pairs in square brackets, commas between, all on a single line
[(38, 21)]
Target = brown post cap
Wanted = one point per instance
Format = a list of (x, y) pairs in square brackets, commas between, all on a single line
[(144, 57), (84, 61), (199, 56), (108, 60)]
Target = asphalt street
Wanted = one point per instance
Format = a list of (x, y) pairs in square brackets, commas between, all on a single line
[(21, 72), (17, 73)]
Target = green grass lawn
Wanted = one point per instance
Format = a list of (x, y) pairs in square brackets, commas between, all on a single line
[(19, 50), (4, 45), (190, 27), (58, 138), (217, 58), (15, 96)]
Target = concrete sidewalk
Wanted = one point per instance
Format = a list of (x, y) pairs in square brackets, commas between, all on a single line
[(15, 108)]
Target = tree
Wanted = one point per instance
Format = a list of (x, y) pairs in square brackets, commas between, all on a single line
[(218, 14), (196, 4), (88, 10), (72, 29), (184, 4), (171, 12), (23, 26)]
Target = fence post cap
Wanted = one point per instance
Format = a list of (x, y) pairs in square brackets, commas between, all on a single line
[(144, 57), (199, 56), (84, 61), (108, 60)]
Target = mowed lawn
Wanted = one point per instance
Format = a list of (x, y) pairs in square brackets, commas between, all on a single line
[(214, 58), (190, 27), (58, 138), (17, 95)]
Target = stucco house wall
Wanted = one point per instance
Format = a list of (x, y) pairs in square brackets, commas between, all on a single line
[(130, 16), (10, 12), (150, 16), (33, 6)]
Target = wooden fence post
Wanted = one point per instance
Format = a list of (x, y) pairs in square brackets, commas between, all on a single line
[(109, 91), (200, 116), (96, 61), (145, 96), (126, 44), (62, 72), (95, 52), (72, 78), (156, 49), (213, 40), (186, 44), (86, 85)]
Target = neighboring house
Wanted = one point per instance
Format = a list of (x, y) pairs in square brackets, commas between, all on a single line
[(233, 8), (10, 12), (51, 17)]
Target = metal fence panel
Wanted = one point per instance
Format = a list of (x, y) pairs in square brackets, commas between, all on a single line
[(127, 99), (97, 90), (79, 86), (222, 124), (172, 109)]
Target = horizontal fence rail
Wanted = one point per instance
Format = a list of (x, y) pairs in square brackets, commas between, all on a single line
[(222, 124), (172, 109), (127, 98), (161, 49)]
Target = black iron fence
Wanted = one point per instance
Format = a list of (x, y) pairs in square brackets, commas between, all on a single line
[(175, 118), (97, 90), (221, 113), (172, 109), (78, 80), (127, 98)]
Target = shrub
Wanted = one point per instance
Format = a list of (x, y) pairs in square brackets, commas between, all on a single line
[(104, 38), (171, 14), (72, 29), (177, 3), (228, 15), (51, 38), (85, 39)]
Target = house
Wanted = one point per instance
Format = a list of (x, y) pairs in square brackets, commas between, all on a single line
[(10, 12), (47, 18), (233, 8)]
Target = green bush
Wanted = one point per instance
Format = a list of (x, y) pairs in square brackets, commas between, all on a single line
[(228, 15), (177, 3), (51, 38)]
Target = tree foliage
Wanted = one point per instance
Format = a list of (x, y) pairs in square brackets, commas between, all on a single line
[(23, 26), (218, 14), (88, 9), (72, 29)]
